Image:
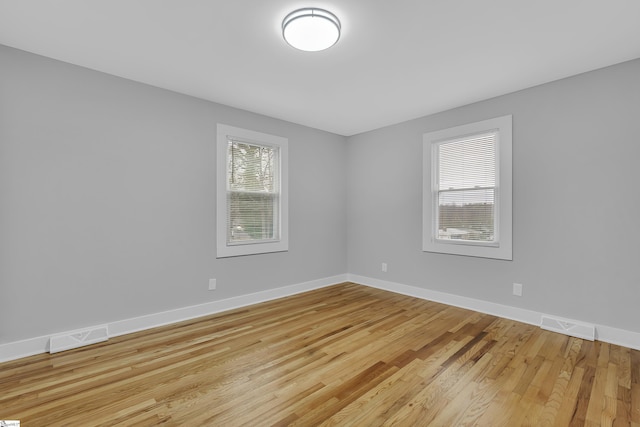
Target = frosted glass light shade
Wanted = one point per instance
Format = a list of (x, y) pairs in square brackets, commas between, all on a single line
[(311, 29)]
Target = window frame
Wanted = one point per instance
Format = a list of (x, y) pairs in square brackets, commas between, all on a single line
[(502, 247), (224, 247)]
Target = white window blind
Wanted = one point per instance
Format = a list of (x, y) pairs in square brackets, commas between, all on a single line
[(253, 192), (466, 188)]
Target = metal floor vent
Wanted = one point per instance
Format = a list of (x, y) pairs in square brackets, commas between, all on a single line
[(79, 338), (569, 327)]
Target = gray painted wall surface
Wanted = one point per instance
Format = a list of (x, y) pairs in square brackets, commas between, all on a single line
[(107, 200), (576, 201)]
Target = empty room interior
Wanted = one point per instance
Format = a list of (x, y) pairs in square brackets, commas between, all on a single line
[(212, 216)]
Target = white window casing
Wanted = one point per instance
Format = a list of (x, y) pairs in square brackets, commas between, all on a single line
[(252, 192), (467, 190)]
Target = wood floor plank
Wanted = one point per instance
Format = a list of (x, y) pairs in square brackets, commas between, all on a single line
[(342, 355)]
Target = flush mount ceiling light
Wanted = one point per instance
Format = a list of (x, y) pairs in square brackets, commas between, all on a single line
[(311, 29)]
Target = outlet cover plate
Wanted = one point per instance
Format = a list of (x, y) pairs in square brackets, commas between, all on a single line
[(517, 289)]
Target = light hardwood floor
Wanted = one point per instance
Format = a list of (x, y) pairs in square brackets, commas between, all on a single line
[(342, 355)]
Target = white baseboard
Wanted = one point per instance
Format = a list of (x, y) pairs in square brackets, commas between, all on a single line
[(618, 336), (29, 347), (604, 333), (19, 349), (505, 311), (32, 346)]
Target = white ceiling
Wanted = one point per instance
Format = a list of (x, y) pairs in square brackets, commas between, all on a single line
[(396, 60)]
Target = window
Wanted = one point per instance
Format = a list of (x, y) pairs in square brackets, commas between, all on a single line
[(252, 192), (467, 176)]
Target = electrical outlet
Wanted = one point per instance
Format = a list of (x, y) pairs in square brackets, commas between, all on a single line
[(212, 284), (517, 289), (384, 267)]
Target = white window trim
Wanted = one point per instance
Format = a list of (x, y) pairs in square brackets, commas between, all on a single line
[(230, 250), (503, 248)]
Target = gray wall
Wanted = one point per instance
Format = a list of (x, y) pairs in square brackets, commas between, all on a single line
[(576, 201), (107, 200)]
